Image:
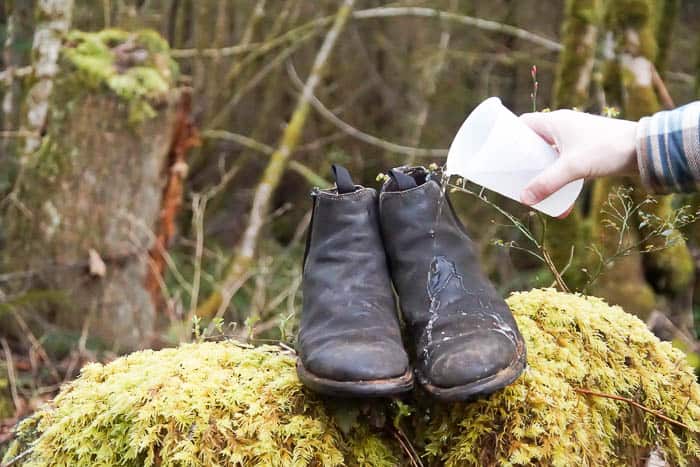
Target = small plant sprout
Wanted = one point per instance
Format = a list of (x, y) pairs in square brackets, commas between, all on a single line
[(196, 328), (535, 87), (611, 112), (620, 214)]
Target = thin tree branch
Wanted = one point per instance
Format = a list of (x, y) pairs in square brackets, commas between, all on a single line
[(11, 375), (279, 159), (312, 177), (384, 12), (635, 404), (361, 135), (18, 458)]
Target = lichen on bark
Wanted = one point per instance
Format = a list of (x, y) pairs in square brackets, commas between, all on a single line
[(233, 405)]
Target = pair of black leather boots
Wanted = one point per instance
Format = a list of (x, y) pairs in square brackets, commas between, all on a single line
[(350, 344)]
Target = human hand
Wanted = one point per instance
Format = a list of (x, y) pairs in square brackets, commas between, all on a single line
[(589, 146)]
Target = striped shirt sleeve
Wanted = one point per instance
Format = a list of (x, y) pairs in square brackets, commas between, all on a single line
[(668, 150)]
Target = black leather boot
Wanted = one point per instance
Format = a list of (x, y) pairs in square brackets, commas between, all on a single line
[(467, 342), (349, 340)]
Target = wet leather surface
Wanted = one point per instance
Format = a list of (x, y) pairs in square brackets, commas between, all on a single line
[(462, 328)]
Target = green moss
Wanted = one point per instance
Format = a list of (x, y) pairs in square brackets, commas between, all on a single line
[(134, 66), (226, 404), (575, 342)]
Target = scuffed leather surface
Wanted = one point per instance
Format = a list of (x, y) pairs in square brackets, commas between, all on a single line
[(349, 326), (473, 334)]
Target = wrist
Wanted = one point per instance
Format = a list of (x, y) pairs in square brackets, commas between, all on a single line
[(628, 147)]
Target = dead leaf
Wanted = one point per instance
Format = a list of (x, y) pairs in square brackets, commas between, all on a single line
[(97, 266)]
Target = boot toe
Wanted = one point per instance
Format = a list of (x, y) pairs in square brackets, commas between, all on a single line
[(471, 358), (356, 361)]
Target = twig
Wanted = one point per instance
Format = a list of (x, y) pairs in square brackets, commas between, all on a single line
[(242, 90), (635, 404), (359, 134), (375, 13), (18, 458), (407, 447), (11, 375), (35, 344), (488, 25), (312, 177), (272, 175), (430, 78), (13, 72)]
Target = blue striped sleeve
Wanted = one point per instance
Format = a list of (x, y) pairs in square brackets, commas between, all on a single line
[(668, 150)]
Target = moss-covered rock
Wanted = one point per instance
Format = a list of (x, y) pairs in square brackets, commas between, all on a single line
[(227, 404)]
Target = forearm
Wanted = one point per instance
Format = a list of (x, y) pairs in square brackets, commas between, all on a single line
[(668, 150)]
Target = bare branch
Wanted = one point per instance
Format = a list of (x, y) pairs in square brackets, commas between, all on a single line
[(384, 12), (279, 160), (361, 135), (312, 177)]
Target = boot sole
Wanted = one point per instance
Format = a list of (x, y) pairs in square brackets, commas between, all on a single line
[(484, 386), (364, 388)]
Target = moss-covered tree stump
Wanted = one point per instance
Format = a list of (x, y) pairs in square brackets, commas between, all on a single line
[(91, 195), (228, 404)]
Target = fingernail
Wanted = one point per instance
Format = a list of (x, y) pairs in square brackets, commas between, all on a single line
[(528, 197)]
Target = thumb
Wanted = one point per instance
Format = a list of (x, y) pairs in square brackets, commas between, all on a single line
[(550, 180), (540, 123)]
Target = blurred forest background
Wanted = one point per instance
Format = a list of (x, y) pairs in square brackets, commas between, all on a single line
[(157, 155)]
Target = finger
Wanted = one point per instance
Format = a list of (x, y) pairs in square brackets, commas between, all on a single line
[(552, 179), (540, 123)]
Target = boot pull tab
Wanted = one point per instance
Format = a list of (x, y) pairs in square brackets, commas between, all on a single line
[(342, 179), (403, 181)]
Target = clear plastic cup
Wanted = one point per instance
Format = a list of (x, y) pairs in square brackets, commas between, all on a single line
[(495, 149)]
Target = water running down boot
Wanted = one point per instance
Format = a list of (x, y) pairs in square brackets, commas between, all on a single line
[(467, 342), (349, 342)]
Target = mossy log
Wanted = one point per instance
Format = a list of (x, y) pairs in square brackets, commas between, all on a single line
[(229, 404), (90, 196)]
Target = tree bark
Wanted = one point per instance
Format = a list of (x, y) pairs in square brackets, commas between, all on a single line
[(54, 21), (87, 206), (576, 60), (245, 251), (668, 14), (16, 54)]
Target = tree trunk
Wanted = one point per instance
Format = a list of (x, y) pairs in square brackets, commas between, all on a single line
[(579, 37), (91, 195), (54, 21), (571, 88), (16, 54), (631, 75), (668, 14)]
